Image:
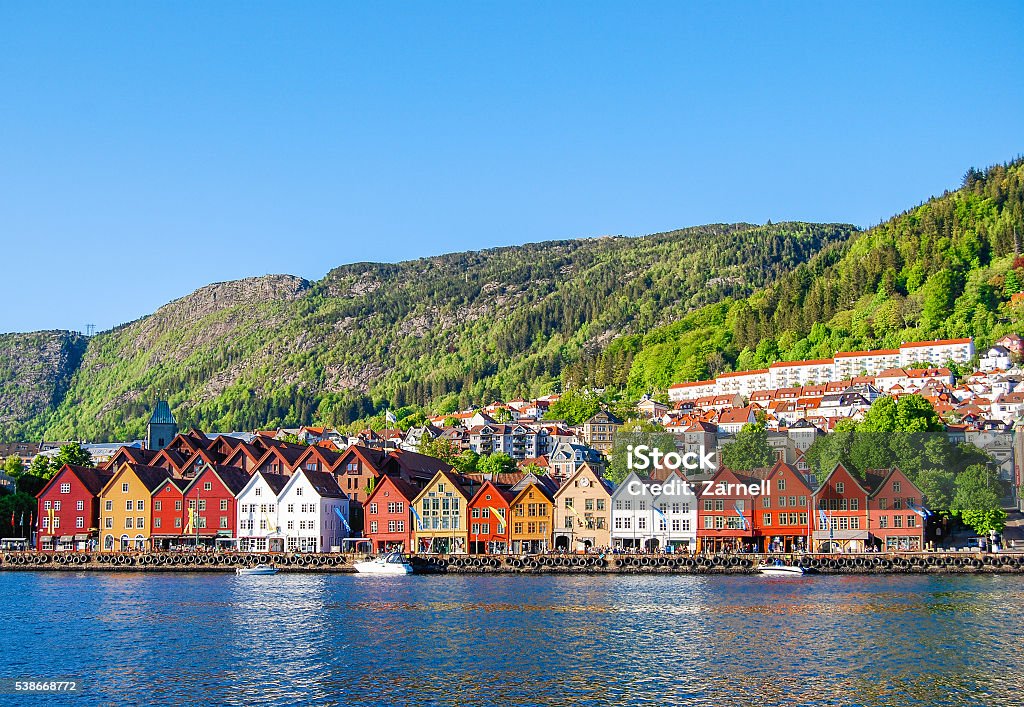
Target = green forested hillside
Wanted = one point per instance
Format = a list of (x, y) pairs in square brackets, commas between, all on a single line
[(445, 331), (632, 315), (947, 268)]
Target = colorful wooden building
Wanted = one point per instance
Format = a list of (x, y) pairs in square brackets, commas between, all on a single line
[(489, 511), (725, 513), (68, 509), (894, 512), (168, 513), (441, 515), (841, 513), (532, 514), (388, 515), (582, 514), (783, 516), (126, 507), (211, 505)]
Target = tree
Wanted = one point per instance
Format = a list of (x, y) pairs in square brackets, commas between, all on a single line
[(574, 407), (502, 415), (441, 448), (938, 487), (632, 435), (977, 499), (291, 438), (466, 462), (829, 450), (750, 450), (14, 466), (497, 463)]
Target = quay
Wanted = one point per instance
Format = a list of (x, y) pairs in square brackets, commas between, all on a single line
[(865, 563)]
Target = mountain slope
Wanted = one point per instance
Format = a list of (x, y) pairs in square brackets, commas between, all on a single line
[(447, 330), (947, 268), (35, 371)]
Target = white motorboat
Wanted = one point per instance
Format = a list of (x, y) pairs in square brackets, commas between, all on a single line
[(258, 569), (778, 569), (391, 563)]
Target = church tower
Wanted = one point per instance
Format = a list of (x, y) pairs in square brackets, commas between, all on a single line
[(162, 427)]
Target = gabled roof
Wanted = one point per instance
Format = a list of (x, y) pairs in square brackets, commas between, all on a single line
[(321, 481), (455, 481), (403, 487), (135, 455), (150, 476), (860, 484), (505, 495), (233, 478), (92, 479)]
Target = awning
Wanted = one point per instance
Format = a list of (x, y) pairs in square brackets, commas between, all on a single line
[(66, 538), (81, 537), (841, 535)]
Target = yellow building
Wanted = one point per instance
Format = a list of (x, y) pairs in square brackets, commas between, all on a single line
[(532, 518), (441, 515), (600, 430), (582, 512), (126, 508)]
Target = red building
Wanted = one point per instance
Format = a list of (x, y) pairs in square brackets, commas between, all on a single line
[(895, 525), (210, 504), (68, 511), (168, 513), (489, 511), (841, 513), (388, 516), (725, 513), (783, 514)]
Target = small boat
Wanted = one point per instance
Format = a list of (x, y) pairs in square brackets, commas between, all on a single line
[(391, 563), (258, 569), (779, 569)]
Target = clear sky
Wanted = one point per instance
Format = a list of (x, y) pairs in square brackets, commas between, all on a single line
[(147, 149)]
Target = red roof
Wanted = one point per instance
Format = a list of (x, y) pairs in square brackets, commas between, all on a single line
[(937, 342), (813, 362), (876, 352), (743, 373)]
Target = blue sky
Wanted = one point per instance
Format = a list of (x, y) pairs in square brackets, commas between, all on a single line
[(151, 148)]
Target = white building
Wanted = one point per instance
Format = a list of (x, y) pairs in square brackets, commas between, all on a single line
[(691, 391), (793, 374), (849, 364), (996, 358), (651, 515), (742, 382), (258, 527), (313, 512), (939, 351)]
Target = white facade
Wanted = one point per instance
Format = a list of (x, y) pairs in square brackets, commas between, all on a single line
[(649, 515), (937, 352), (308, 514), (257, 520), (691, 391), (996, 358), (849, 364), (742, 382), (795, 374)]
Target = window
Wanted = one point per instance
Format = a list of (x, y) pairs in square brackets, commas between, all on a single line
[(854, 504), (124, 488), (373, 526), (719, 505), (766, 501), (782, 484), (782, 501), (709, 522), (588, 504), (139, 505), (157, 523), (223, 504), (56, 505), (895, 486), (224, 521), (129, 522), (840, 487), (107, 522), (177, 505), (79, 505), (911, 521), (177, 522), (259, 491), (129, 505), (202, 504), (65, 488), (108, 506), (373, 509), (298, 491), (158, 505), (208, 486), (766, 519)]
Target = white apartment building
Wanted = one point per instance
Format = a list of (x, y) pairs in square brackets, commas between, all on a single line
[(794, 374)]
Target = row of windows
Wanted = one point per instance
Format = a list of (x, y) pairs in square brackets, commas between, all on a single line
[(485, 512), (718, 504), (394, 526), (79, 505), (588, 504), (723, 523), (532, 528), (841, 523), (897, 521), (79, 522), (786, 519), (785, 501), (394, 507)]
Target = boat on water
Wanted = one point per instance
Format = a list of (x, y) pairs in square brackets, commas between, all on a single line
[(258, 569), (390, 563), (780, 569)]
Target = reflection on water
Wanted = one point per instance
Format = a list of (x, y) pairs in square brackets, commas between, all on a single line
[(518, 640)]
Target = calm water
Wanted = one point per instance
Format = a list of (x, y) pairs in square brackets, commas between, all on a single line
[(507, 640)]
